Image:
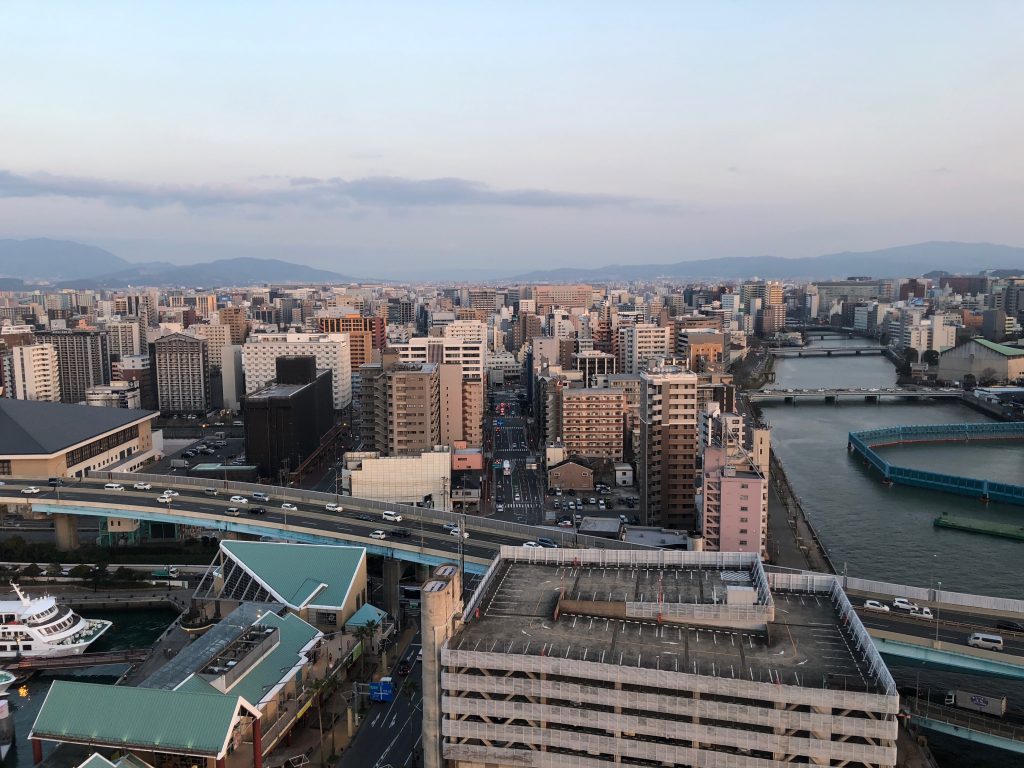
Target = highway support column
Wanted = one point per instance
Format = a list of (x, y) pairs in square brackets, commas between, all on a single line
[(66, 531), (392, 578)]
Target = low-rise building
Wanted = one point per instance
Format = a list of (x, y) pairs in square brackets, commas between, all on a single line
[(980, 361), (400, 479), (574, 474)]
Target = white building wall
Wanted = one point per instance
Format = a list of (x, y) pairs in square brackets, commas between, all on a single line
[(331, 350), (404, 479)]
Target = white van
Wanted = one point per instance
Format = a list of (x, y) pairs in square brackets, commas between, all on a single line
[(392, 517), (260, 496), (113, 487), (986, 641)]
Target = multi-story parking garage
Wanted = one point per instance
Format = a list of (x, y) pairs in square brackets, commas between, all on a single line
[(588, 658)]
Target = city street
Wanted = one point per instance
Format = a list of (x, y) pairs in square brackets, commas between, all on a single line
[(518, 497)]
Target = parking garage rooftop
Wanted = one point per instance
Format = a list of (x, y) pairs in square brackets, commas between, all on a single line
[(685, 614)]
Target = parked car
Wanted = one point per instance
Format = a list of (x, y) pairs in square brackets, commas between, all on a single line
[(875, 605), (565, 523), (378, 535), (238, 500)]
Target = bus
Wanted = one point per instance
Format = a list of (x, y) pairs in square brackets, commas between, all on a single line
[(506, 467)]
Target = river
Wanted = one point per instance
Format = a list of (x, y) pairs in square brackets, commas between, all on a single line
[(886, 533), (131, 629)]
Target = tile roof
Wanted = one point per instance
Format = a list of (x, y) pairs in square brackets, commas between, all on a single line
[(31, 427), (325, 578), (141, 718)]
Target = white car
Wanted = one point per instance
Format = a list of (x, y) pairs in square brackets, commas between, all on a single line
[(393, 517), (163, 499), (238, 500), (113, 487), (456, 532), (289, 507), (169, 492), (924, 612), (30, 490), (142, 487), (332, 507), (233, 511), (875, 605), (378, 535), (532, 545), (902, 604), (451, 527)]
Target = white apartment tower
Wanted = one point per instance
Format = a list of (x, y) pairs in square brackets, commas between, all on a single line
[(36, 376), (331, 350), (640, 343)]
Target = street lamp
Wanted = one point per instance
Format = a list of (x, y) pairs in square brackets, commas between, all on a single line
[(936, 595)]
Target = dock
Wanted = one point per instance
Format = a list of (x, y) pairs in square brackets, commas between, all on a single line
[(36, 663), (1003, 530)]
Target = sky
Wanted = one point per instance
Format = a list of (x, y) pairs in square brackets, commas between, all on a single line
[(394, 139)]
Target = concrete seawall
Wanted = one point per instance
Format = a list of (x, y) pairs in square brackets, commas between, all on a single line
[(800, 529)]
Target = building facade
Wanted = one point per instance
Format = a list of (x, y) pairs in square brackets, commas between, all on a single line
[(182, 372), (331, 350), (36, 374), (593, 423)]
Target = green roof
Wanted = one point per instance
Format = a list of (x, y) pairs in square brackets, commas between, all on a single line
[(141, 718), (260, 680), (96, 760), (1002, 349), (365, 615), (324, 578)]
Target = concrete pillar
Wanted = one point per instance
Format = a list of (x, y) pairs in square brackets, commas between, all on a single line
[(392, 577), (66, 530), (350, 722), (257, 744), (422, 572)]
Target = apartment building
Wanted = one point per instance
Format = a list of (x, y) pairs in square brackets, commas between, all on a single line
[(546, 297), (116, 394), (331, 350), (667, 458), (36, 374), (235, 318), (732, 505), (400, 407), (124, 338), (83, 359), (218, 341), (182, 370), (531, 672), (640, 343), (593, 423)]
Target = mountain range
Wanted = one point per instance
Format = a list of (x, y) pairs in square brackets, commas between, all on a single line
[(64, 263), (74, 265)]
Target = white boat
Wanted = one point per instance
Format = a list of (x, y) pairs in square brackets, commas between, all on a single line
[(39, 626), (6, 680)]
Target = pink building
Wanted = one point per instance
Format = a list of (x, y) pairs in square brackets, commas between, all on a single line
[(733, 508)]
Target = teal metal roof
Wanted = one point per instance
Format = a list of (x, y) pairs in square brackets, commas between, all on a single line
[(1002, 349), (365, 615), (295, 634), (142, 718), (96, 760), (325, 578)]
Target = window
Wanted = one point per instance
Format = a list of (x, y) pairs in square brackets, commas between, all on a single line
[(743, 519), (743, 530), (327, 618), (5, 467), (743, 542)]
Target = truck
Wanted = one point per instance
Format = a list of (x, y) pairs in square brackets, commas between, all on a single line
[(976, 702), (165, 573), (506, 467), (179, 463)]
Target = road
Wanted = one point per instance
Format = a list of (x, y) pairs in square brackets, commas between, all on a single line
[(390, 732), (521, 494)]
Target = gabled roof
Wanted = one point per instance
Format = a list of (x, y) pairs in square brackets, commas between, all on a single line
[(577, 460), (141, 718), (96, 760), (365, 615), (34, 427), (1003, 349), (324, 580)]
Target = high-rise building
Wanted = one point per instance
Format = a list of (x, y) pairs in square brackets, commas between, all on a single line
[(531, 670), (593, 422), (83, 359), (36, 374), (668, 446), (331, 350), (182, 371), (400, 407), (236, 319), (138, 369), (641, 343), (733, 503), (124, 338), (549, 296)]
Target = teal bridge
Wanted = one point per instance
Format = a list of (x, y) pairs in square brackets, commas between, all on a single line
[(864, 444)]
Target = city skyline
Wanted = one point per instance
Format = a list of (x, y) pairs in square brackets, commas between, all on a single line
[(471, 137)]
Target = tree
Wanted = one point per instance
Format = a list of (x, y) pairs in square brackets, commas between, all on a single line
[(988, 377), (80, 571), (53, 569), (931, 357), (125, 574), (99, 575), (911, 355), (31, 570)]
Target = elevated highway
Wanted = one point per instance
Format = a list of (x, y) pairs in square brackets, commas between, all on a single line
[(426, 540), (831, 394)]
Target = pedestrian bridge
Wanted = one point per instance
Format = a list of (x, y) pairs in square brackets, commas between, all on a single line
[(864, 443), (833, 394)]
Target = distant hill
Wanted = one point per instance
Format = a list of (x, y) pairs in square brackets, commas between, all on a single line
[(901, 261), (74, 265)]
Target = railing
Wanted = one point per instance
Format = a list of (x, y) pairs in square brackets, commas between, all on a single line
[(865, 442), (962, 718), (961, 599)]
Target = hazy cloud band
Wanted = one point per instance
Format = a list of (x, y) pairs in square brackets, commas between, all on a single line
[(371, 192)]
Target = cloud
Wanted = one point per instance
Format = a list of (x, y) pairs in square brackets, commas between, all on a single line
[(388, 192)]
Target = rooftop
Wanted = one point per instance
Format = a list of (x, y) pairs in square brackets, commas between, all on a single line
[(325, 578), (1002, 349), (34, 427), (677, 618)]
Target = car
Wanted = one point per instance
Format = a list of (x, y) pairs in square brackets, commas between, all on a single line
[(499, 507), (902, 604), (210, 491), (404, 669), (592, 500), (401, 533), (113, 487), (169, 492), (450, 527), (2, 482), (558, 491), (456, 532), (924, 612), (378, 535), (30, 490), (258, 511), (391, 516), (875, 605), (601, 504), (238, 500), (142, 487), (1010, 626), (55, 481), (565, 523), (332, 507), (261, 496), (289, 507), (624, 519), (547, 543), (531, 545), (365, 517), (233, 511), (164, 499), (518, 497)]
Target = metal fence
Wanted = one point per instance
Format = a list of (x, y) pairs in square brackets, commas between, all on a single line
[(962, 599)]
